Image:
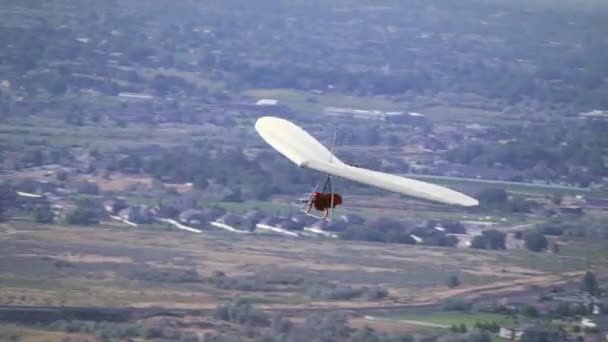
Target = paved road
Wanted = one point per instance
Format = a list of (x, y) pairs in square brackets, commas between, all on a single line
[(407, 321)]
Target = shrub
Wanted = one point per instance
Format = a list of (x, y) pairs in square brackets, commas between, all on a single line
[(457, 304)]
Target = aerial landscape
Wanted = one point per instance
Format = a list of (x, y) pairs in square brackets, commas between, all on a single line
[(155, 175)]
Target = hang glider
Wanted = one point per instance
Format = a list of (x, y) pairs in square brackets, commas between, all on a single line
[(305, 151)]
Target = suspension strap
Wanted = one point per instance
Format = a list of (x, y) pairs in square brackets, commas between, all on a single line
[(327, 184)]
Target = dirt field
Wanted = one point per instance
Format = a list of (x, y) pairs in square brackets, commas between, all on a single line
[(110, 265), (9, 333)]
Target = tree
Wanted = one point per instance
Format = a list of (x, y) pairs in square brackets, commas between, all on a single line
[(529, 311), (519, 205), (74, 118), (478, 242), (590, 283), (457, 304), (536, 241), (492, 198), (495, 239), (8, 197), (82, 216), (57, 85), (61, 176), (556, 198), (453, 281), (44, 215), (85, 213), (490, 239), (458, 328)]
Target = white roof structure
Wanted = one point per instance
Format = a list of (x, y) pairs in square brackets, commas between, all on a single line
[(305, 151), (267, 102)]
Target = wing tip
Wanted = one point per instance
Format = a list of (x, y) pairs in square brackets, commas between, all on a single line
[(467, 201)]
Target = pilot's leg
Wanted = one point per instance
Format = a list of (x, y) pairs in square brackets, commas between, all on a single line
[(325, 213)]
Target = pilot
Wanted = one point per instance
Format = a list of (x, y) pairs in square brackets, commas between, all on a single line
[(323, 201)]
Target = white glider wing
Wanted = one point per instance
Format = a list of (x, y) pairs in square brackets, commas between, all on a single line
[(305, 151), (292, 141)]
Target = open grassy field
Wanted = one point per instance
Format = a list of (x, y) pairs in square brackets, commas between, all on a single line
[(111, 265)]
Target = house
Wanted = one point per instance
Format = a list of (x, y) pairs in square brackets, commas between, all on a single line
[(213, 213), (531, 331), (164, 211), (352, 219), (571, 210), (232, 220), (396, 117), (582, 299), (183, 202), (268, 106), (192, 217), (290, 224), (270, 221), (299, 217), (114, 205), (135, 96), (254, 216), (267, 102), (599, 323), (331, 226), (136, 214)]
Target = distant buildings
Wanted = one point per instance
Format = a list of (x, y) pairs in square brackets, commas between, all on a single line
[(373, 114), (136, 96), (267, 102), (595, 114), (531, 332)]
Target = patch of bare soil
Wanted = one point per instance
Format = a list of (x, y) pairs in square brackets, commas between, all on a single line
[(500, 287), (117, 182), (92, 258)]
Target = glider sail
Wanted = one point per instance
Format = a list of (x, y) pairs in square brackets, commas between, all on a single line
[(305, 151)]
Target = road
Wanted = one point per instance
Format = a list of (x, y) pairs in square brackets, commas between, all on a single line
[(407, 321)]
